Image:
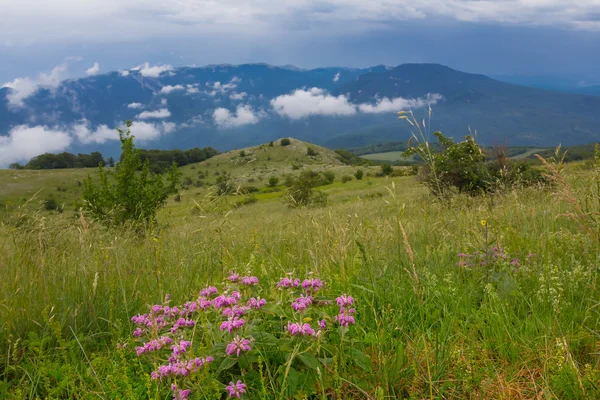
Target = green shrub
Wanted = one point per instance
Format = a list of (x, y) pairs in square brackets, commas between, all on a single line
[(285, 142), (246, 201), (300, 190), (346, 178), (359, 174), (386, 169), (128, 194), (329, 177), (51, 204), (273, 182), (311, 152)]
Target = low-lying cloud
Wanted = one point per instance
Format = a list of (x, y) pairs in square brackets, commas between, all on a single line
[(23, 143), (153, 71), (399, 103), (94, 70), (169, 89), (244, 115), (304, 103), (162, 113), (307, 102), (23, 88)]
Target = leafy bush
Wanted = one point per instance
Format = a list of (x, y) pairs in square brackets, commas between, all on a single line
[(346, 178), (359, 174), (51, 204), (128, 194), (224, 186), (285, 142), (329, 177), (386, 169), (464, 167), (301, 189), (311, 152), (271, 144), (273, 181)]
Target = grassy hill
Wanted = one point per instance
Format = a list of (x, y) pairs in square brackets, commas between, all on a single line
[(247, 167)]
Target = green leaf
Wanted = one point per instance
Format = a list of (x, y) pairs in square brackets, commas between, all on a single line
[(309, 360), (226, 364), (361, 359)]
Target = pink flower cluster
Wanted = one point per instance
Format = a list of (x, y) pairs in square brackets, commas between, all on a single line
[(301, 303), (235, 311), (296, 329), (209, 291), (286, 283), (179, 394), (153, 345), (250, 280), (312, 285), (238, 345), (182, 323), (226, 300), (233, 277), (181, 368), (345, 317), (256, 303), (236, 389), (232, 323)]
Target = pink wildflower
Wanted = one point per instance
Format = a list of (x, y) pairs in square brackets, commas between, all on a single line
[(301, 303), (312, 285), (236, 389), (250, 280), (256, 303), (237, 345), (209, 291), (233, 277), (232, 323)]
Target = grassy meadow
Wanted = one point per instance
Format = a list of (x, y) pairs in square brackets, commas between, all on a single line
[(521, 320)]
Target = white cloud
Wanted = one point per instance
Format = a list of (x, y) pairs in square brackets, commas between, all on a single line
[(93, 70), (238, 96), (134, 106), (124, 73), (101, 134), (169, 89), (336, 77), (23, 88), (162, 113), (169, 127), (218, 87), (399, 104), (24, 142), (244, 115), (192, 90), (152, 71), (304, 103)]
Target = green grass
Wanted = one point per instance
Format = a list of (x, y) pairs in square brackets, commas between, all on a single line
[(431, 328), (390, 156)]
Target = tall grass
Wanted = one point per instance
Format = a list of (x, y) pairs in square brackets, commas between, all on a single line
[(432, 328)]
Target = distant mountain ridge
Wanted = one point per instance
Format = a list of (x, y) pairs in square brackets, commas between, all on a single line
[(231, 106)]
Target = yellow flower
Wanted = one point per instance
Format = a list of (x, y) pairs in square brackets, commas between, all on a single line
[(307, 319), (483, 222)]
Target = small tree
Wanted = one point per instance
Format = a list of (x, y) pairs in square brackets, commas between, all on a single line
[(300, 190), (285, 142), (110, 162), (359, 174), (128, 194), (386, 169), (273, 181), (311, 152), (271, 144)]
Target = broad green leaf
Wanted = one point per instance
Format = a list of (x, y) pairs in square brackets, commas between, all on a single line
[(361, 359), (309, 360), (226, 364)]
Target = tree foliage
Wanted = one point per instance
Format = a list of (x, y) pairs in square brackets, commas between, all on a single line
[(130, 193)]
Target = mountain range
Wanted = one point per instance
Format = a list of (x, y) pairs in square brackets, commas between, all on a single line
[(232, 106)]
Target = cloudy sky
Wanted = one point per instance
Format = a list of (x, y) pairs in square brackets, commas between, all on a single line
[(554, 37)]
